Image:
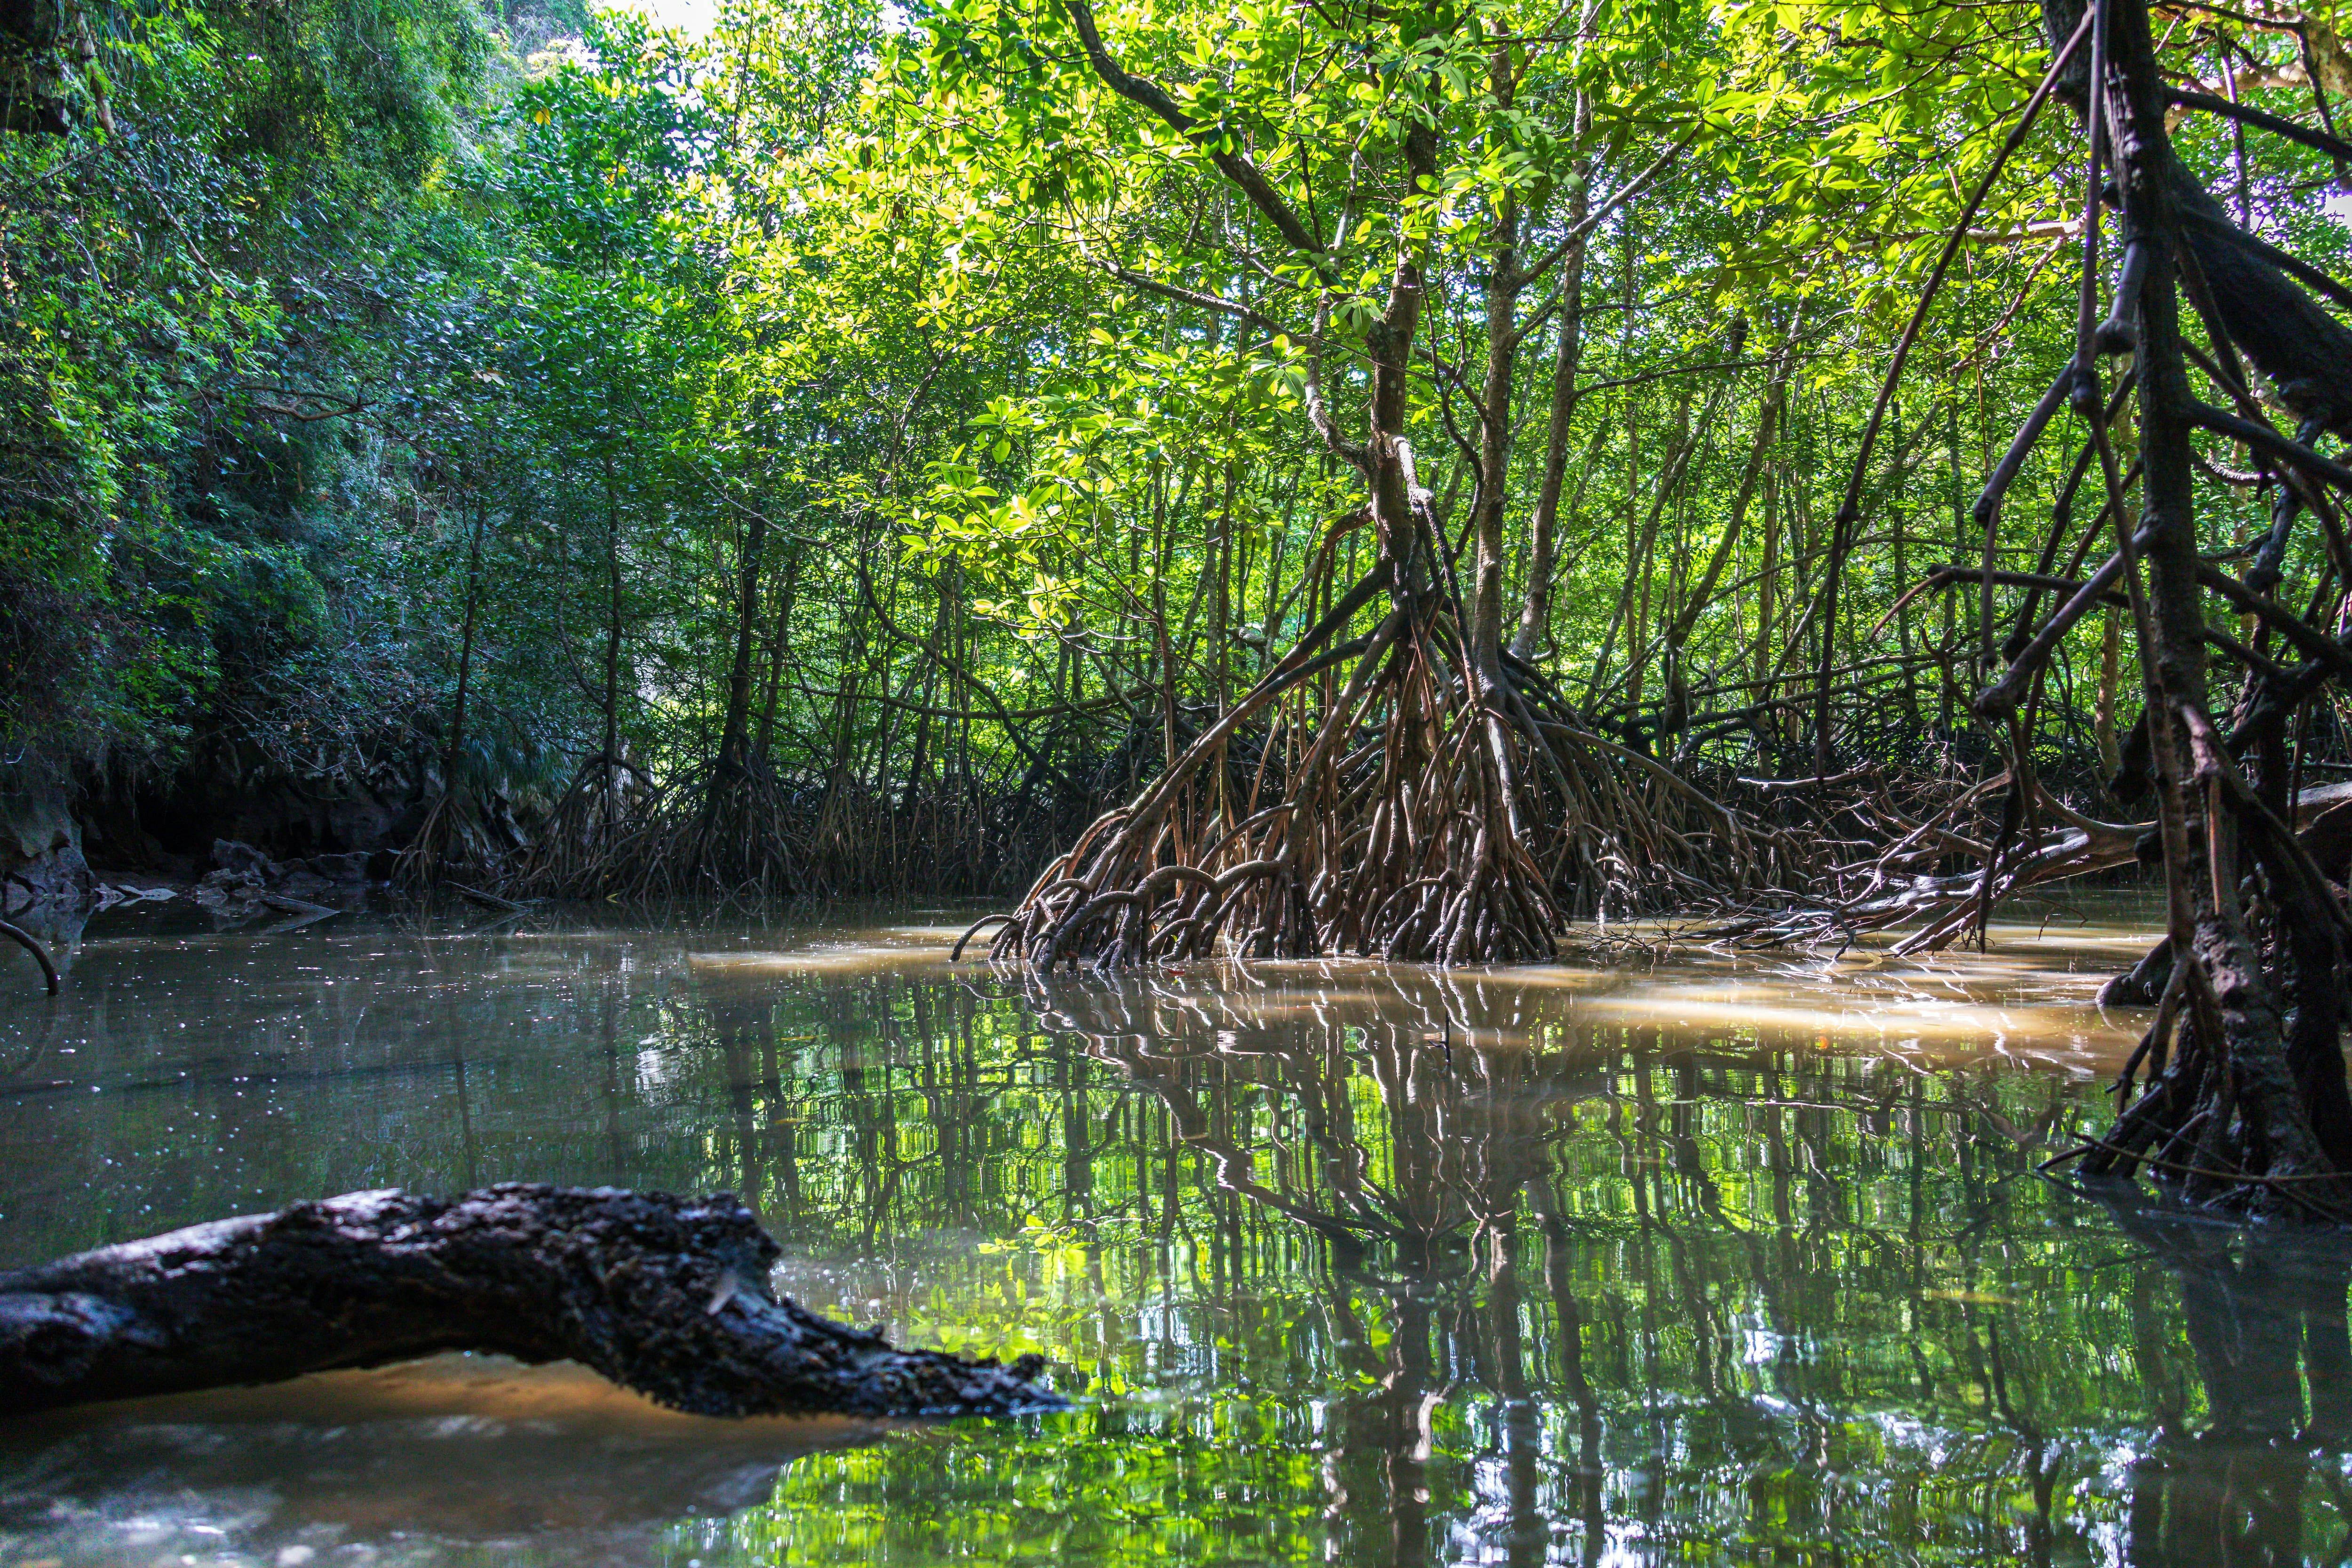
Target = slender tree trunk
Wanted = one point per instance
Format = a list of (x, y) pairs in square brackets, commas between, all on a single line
[(1388, 459), (925, 688), (1221, 561), (1504, 284), (610, 751), (2103, 713), (735, 734), (779, 651), (843, 731), (1897, 515), (452, 756), (1162, 655), (1767, 427), (1767, 581), (1959, 546), (1543, 528)]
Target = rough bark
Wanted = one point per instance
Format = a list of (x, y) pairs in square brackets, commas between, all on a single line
[(665, 1295), (1504, 284)]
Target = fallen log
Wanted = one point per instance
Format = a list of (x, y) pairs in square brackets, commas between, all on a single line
[(665, 1295)]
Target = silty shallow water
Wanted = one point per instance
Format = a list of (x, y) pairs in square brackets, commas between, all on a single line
[(1703, 1261)]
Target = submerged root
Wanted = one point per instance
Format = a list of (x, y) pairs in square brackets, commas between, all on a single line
[(2235, 1095), (25, 939), (2214, 1111)]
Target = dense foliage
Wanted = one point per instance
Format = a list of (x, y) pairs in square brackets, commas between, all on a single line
[(864, 425)]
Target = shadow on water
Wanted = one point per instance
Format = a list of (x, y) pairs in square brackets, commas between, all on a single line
[(1709, 1263)]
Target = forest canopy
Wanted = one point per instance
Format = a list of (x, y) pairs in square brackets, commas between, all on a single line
[(848, 451)]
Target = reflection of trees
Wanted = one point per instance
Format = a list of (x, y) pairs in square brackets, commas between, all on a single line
[(2266, 1325), (1458, 1175), (1409, 1209), (1626, 1255), (241, 1071), (1435, 1267), (757, 1149)]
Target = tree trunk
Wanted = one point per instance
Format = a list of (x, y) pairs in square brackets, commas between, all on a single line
[(453, 753), (2248, 1103), (735, 734), (1543, 527), (1504, 283), (1766, 582), (1767, 426), (1427, 803), (2103, 713), (610, 752), (665, 1295), (779, 651)]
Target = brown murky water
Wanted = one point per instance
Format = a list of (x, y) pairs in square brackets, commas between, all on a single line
[(1706, 1260)]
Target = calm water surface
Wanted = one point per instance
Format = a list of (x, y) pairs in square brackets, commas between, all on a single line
[(1694, 1262)]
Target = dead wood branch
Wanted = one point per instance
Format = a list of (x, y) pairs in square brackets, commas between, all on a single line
[(665, 1295)]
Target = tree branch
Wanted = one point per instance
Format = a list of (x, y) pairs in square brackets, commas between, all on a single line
[(1235, 166)]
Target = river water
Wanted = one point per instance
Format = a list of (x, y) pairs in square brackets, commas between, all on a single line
[(1694, 1261)]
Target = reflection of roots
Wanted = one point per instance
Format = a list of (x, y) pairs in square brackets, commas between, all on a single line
[(1458, 1134), (1419, 822)]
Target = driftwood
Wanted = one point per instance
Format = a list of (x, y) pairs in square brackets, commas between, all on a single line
[(665, 1295)]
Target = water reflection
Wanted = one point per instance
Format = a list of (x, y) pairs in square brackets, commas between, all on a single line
[(1360, 1267), (454, 1458), (2265, 1317)]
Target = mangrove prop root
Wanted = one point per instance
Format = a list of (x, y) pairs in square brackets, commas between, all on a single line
[(2235, 1095), (665, 1295), (1413, 808), (26, 940)]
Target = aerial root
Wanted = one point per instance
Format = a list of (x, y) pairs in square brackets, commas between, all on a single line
[(26, 940), (1415, 823)]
